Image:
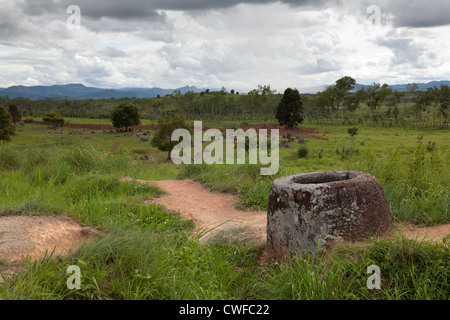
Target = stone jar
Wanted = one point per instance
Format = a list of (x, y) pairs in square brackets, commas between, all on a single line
[(307, 210)]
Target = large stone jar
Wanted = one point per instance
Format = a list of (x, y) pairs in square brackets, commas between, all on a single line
[(307, 210)]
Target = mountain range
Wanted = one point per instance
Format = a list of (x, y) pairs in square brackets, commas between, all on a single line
[(398, 87), (80, 91), (403, 87)]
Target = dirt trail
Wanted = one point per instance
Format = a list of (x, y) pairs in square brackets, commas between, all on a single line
[(215, 209), (209, 210)]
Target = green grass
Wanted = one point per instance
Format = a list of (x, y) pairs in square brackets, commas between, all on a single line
[(409, 270), (145, 252)]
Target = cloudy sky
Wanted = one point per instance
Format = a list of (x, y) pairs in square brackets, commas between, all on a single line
[(236, 44)]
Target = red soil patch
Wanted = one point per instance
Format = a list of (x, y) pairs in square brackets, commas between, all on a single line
[(98, 126), (32, 236), (310, 133)]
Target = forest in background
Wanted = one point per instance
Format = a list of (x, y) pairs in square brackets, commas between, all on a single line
[(337, 104)]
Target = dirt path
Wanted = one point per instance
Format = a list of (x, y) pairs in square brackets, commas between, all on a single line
[(217, 210), (210, 210)]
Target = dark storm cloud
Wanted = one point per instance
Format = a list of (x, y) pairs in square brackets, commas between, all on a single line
[(402, 13), (138, 9), (123, 10), (422, 14), (415, 14)]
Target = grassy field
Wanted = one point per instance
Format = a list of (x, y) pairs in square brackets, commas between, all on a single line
[(145, 252)]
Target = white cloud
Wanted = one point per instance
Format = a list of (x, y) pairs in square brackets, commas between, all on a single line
[(237, 45)]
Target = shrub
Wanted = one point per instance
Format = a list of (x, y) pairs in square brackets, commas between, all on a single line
[(162, 139), (302, 152), (352, 131), (54, 119)]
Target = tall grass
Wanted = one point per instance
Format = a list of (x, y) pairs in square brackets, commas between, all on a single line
[(145, 252), (410, 270), (416, 185)]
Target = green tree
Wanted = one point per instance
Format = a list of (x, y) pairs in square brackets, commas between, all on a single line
[(54, 119), (376, 95), (125, 115), (289, 112), (444, 101), (162, 139), (421, 101), (393, 100), (6, 125), (352, 102), (325, 101), (342, 88), (15, 113)]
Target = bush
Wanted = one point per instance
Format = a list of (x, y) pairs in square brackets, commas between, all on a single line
[(54, 119), (302, 152), (162, 139), (352, 131)]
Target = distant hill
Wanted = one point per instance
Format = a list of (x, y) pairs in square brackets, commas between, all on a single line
[(80, 91), (399, 87), (403, 87)]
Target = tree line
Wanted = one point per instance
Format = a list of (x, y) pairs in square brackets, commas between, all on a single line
[(339, 102)]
